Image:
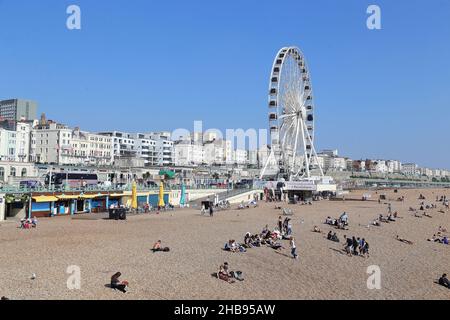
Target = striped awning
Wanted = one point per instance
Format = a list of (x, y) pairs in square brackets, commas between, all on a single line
[(45, 199)]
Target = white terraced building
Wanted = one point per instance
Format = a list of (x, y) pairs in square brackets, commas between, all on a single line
[(15, 144), (59, 144)]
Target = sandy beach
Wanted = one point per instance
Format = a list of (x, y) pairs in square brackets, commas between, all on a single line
[(102, 247)]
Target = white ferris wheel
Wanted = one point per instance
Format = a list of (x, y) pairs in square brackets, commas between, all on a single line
[(291, 119)]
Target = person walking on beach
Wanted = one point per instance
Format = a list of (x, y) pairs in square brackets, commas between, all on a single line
[(211, 211), (348, 245), (293, 248), (280, 224)]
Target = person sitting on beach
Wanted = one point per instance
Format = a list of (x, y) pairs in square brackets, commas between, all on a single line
[(445, 240), (157, 247), (344, 218), (443, 281), (316, 229), (329, 235), (395, 215), (256, 241), (223, 273), (23, 223), (34, 222), (329, 221), (404, 240), (335, 238), (231, 246), (117, 284), (248, 240)]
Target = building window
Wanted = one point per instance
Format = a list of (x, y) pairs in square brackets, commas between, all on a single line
[(12, 172), (2, 173), (24, 172)]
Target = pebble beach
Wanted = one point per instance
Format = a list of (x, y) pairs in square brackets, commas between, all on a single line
[(323, 271)]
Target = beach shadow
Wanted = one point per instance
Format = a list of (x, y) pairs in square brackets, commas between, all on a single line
[(283, 254), (214, 275), (338, 251), (108, 285)]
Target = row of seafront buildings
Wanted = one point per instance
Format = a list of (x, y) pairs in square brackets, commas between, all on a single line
[(331, 161), (26, 140)]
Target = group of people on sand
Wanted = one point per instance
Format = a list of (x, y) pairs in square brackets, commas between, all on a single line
[(391, 217), (251, 204), (332, 236), (267, 237), (340, 223), (233, 246), (28, 223), (356, 246), (439, 238)]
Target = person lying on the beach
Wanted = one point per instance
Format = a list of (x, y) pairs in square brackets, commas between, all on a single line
[(427, 215), (316, 229), (417, 215), (404, 240), (435, 238), (376, 222), (442, 229), (383, 219), (391, 218), (443, 281), (117, 284)]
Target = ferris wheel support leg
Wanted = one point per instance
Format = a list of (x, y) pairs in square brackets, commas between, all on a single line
[(315, 154), (265, 166), (304, 149), (296, 143)]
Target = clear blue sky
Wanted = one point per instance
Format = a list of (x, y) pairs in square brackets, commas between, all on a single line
[(147, 65)]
